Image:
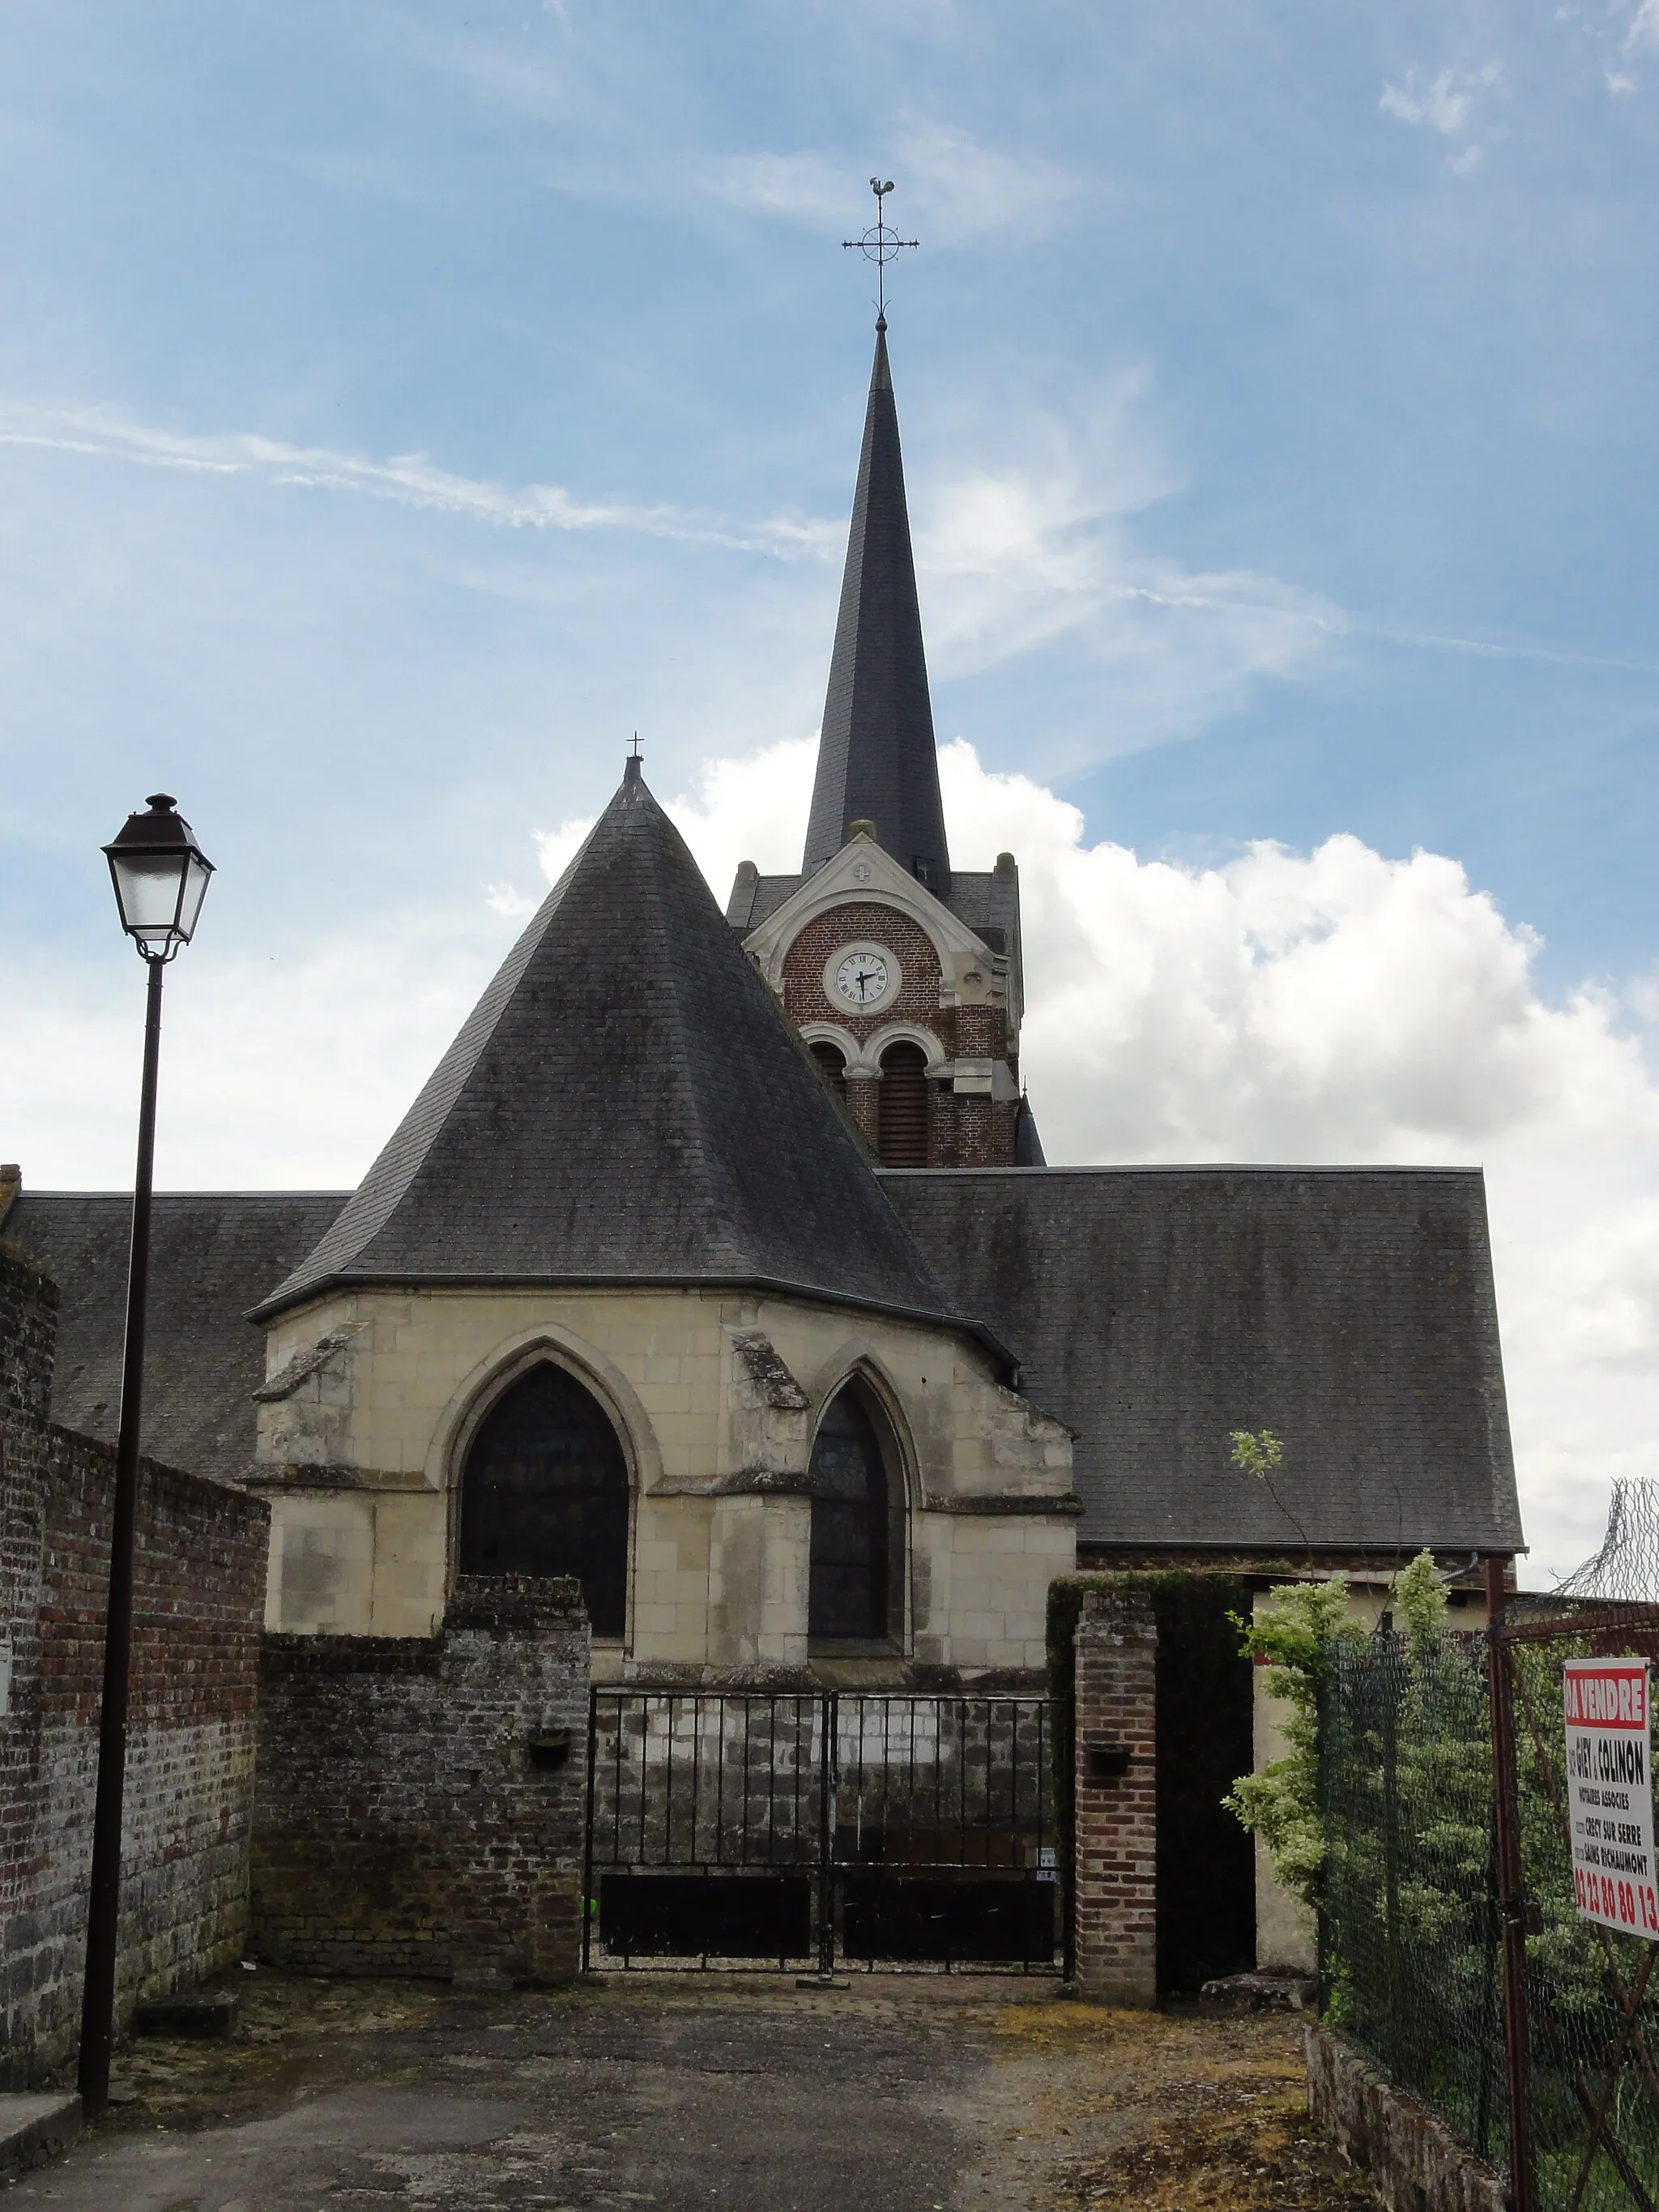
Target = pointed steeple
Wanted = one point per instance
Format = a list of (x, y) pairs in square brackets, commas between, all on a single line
[(876, 759), (625, 1103)]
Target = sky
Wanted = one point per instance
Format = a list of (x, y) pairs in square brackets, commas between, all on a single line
[(401, 405)]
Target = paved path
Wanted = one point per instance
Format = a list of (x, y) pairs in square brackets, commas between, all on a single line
[(900, 2094)]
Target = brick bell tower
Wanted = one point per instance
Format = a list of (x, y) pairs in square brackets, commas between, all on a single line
[(901, 974)]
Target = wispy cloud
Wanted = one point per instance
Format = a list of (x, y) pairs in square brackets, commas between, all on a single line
[(408, 479), (951, 185), (1447, 104)]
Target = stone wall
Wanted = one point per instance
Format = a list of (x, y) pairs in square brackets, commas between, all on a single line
[(1411, 2159), (199, 1574), (421, 1799), (1114, 1878)]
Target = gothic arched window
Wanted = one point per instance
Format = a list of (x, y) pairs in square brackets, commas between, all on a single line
[(545, 1491), (849, 1591), (902, 1140)]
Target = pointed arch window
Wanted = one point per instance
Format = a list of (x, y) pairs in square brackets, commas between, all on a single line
[(902, 1124), (850, 1587), (545, 1491)]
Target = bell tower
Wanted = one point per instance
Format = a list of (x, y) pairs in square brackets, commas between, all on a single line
[(901, 974)]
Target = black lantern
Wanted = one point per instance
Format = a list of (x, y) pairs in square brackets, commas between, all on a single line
[(160, 878)]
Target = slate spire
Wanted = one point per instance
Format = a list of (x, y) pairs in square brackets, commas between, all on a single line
[(625, 1103), (877, 758)]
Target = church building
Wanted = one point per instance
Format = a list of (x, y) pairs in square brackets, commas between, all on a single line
[(718, 1264)]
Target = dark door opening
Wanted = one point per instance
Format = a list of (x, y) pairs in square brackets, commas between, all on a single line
[(1206, 1740)]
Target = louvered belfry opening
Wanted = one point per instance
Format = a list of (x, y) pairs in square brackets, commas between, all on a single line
[(832, 1065), (902, 1127)]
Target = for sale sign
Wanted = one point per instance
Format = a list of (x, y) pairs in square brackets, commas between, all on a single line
[(1610, 1792)]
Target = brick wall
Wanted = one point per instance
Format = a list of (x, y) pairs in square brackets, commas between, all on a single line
[(199, 1574), (416, 1812), (1114, 1895)]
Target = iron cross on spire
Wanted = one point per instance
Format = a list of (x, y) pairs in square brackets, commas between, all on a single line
[(880, 243)]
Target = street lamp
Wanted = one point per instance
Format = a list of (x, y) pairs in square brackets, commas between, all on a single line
[(160, 878)]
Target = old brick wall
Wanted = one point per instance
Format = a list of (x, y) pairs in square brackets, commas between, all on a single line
[(421, 1799), (199, 1574), (1114, 1895)]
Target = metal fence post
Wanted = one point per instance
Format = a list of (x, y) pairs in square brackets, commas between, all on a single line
[(1511, 1899), (831, 1725)]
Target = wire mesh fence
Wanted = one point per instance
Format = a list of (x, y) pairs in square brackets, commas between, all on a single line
[(1411, 1934), (1415, 1904)]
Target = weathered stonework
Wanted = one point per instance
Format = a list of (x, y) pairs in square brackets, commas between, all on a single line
[(421, 1799), (716, 1398), (1114, 1896), (1411, 2160), (198, 1588)]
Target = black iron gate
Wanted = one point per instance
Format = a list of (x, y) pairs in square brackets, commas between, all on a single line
[(806, 1829)]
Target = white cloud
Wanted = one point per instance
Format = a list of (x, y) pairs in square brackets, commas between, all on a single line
[(1446, 104), (1644, 30), (1332, 1005), (1040, 545), (749, 809)]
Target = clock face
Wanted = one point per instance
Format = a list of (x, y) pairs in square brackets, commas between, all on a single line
[(862, 978)]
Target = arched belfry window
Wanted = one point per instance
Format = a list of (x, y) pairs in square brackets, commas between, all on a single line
[(902, 1113), (545, 1491), (832, 1065), (849, 1592)]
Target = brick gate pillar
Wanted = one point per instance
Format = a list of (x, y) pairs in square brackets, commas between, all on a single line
[(1115, 1891)]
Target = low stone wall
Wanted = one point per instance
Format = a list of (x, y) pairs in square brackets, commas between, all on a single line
[(420, 1800), (1411, 2160), (199, 1574)]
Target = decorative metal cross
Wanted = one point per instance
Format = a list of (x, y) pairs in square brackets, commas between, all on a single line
[(880, 243), (634, 747)]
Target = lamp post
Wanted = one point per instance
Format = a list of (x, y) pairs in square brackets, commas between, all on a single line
[(160, 878)]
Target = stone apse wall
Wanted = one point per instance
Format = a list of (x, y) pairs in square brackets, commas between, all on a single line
[(199, 1596), (422, 1799)]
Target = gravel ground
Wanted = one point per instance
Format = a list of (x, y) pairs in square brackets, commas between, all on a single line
[(901, 2094)]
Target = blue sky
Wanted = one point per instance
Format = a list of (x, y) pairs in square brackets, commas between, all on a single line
[(400, 404)]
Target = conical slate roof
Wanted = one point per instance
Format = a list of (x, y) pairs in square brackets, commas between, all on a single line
[(625, 1103), (876, 759)]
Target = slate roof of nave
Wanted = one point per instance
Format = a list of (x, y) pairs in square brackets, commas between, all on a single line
[(625, 1103), (212, 1255), (1351, 1310)]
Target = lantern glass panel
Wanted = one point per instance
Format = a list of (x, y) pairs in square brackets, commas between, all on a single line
[(196, 872), (147, 884)]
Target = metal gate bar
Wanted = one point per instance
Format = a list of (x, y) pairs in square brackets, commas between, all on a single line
[(808, 1827)]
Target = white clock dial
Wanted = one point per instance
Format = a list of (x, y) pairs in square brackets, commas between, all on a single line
[(861, 979)]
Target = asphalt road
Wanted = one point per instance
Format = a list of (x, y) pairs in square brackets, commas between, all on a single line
[(900, 2094)]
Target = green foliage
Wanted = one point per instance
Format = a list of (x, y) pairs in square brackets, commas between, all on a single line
[(1420, 1599), (1294, 1636), (1257, 1452)]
